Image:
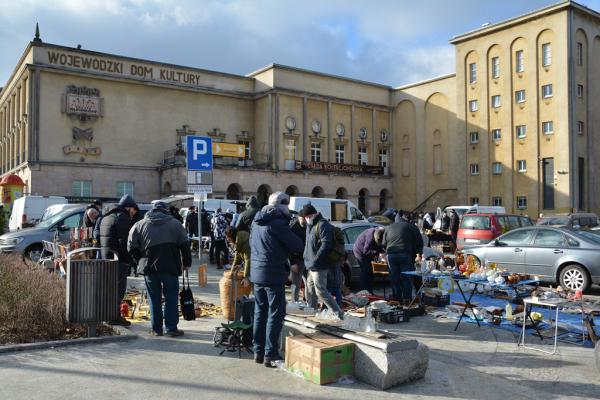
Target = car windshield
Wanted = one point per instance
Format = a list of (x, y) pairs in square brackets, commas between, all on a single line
[(593, 236), (559, 220), (475, 222), (54, 219)]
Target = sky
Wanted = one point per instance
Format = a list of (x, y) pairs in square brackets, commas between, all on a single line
[(392, 42)]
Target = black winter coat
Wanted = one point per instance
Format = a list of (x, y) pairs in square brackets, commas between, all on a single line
[(114, 229)]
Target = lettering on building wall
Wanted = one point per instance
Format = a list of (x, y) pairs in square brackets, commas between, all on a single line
[(338, 168), (124, 68), (87, 151)]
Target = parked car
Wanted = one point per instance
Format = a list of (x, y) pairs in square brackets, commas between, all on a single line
[(569, 257), (574, 220), (351, 267), (28, 210), (28, 241), (476, 229)]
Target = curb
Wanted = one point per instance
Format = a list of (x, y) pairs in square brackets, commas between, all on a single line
[(122, 335)]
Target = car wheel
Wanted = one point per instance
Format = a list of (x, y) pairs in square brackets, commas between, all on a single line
[(574, 277), (34, 253)]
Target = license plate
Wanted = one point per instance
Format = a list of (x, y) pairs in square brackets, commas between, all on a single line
[(471, 240)]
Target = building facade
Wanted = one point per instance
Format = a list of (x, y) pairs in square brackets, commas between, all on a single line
[(514, 126)]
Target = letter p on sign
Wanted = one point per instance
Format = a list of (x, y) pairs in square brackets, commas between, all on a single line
[(199, 153)]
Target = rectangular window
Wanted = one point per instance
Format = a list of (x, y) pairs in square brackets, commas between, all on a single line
[(124, 188), (474, 169), (546, 54), (474, 137), (82, 188), (472, 73), (519, 61), (547, 127), (496, 134), (474, 201), (315, 152), (495, 67), (290, 149), (247, 149), (497, 201), (363, 156), (520, 96), (473, 106), (521, 131), (497, 168), (437, 159), (580, 127), (547, 91), (521, 165), (405, 162), (383, 158), (580, 91), (521, 202), (579, 53), (496, 101), (340, 153)]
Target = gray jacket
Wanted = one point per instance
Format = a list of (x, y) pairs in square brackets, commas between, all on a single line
[(319, 243), (159, 244)]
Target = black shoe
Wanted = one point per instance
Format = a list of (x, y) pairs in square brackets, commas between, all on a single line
[(176, 333), (270, 362), (259, 359)]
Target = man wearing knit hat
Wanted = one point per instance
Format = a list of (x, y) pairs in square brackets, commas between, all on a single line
[(114, 229), (271, 243), (319, 245)]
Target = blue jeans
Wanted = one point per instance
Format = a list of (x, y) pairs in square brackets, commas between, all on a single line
[(269, 312), (168, 286), (402, 287), (337, 292), (366, 274)]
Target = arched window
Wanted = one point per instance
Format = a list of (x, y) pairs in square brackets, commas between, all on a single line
[(363, 200), (341, 193), (262, 194), (234, 192), (318, 192)]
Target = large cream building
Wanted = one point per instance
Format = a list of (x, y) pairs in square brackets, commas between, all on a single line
[(514, 126)]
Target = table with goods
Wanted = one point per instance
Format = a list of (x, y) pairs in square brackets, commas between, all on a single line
[(54, 253)]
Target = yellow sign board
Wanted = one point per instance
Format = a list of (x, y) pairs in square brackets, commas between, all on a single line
[(228, 149)]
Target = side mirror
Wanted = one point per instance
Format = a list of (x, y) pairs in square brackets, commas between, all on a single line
[(497, 243)]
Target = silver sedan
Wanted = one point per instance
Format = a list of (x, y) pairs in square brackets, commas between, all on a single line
[(569, 257)]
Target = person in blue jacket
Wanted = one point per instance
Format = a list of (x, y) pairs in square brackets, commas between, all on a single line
[(271, 243)]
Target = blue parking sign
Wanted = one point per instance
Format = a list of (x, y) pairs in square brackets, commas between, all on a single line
[(199, 153)]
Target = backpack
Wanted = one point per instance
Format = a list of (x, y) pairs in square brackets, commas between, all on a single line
[(338, 253)]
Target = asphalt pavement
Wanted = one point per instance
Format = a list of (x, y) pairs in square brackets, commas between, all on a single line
[(472, 363)]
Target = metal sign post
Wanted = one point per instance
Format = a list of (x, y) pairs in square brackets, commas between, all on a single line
[(199, 165)]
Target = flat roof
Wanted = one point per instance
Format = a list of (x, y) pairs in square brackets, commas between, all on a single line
[(553, 8), (423, 82), (308, 71)]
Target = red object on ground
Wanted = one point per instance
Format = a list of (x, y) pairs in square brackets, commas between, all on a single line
[(124, 310)]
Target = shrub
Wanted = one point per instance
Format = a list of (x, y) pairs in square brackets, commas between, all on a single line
[(32, 302)]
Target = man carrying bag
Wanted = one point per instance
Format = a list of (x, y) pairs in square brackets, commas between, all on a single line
[(159, 245)]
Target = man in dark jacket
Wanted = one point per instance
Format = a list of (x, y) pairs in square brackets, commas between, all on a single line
[(454, 224), (191, 222), (114, 229), (366, 248), (404, 245), (319, 245), (245, 219), (271, 242), (159, 244), (298, 226)]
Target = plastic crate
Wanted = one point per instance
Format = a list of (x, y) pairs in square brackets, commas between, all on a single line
[(393, 316), (436, 301)]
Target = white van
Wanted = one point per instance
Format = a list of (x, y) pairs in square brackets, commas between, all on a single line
[(27, 210), (330, 209)]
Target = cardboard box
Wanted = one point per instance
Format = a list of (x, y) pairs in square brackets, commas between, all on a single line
[(321, 358)]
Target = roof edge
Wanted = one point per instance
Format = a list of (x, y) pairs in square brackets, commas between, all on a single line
[(308, 71), (517, 20), (423, 82)]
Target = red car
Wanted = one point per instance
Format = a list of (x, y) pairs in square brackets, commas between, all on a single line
[(476, 229)]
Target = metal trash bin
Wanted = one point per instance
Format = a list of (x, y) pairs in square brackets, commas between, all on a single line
[(92, 289)]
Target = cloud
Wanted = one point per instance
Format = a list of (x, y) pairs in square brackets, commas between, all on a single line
[(387, 41)]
